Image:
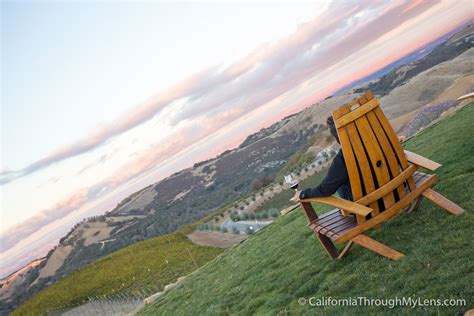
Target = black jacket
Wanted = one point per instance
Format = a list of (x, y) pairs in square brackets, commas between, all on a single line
[(336, 179)]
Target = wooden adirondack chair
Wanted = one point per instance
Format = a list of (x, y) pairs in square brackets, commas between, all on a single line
[(384, 181)]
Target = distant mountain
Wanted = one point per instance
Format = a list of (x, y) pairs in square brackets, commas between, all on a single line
[(195, 192), (451, 46), (410, 58)]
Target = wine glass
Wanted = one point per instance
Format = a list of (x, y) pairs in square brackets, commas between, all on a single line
[(292, 182)]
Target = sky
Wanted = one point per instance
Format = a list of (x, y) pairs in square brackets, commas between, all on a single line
[(100, 99)]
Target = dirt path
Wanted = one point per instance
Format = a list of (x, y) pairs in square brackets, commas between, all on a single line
[(215, 239)]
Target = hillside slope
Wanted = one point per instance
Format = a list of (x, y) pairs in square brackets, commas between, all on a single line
[(284, 262), (146, 265)]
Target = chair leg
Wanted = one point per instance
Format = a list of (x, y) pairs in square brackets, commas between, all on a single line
[(377, 247), (328, 245), (346, 249), (443, 202)]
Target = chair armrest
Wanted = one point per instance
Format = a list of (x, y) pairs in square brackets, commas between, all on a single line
[(421, 161), (342, 204), (289, 209)]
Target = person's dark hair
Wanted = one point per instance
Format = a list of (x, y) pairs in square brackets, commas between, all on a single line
[(332, 127)]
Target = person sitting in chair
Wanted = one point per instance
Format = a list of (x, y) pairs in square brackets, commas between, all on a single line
[(336, 180)]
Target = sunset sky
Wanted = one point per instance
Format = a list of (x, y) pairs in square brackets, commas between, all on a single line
[(99, 100)]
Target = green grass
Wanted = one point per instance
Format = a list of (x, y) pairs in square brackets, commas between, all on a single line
[(283, 262), (150, 264)]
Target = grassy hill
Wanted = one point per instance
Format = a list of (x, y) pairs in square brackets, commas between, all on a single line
[(150, 264), (270, 271)]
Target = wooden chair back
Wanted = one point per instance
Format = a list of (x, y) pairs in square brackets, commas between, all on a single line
[(378, 170)]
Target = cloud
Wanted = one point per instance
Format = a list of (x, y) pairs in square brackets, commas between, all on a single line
[(11, 236), (198, 87)]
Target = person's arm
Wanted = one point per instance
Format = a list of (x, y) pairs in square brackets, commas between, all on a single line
[(336, 176)]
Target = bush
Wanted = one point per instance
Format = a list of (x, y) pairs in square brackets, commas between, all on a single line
[(224, 230), (217, 228), (274, 213), (249, 231), (235, 231)]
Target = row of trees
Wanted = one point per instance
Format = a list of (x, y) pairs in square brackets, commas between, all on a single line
[(210, 226), (235, 216)]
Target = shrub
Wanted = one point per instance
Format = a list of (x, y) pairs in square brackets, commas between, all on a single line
[(274, 213), (224, 229), (235, 231)]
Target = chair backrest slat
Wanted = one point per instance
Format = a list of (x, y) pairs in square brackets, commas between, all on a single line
[(394, 141), (387, 149), (376, 158), (372, 152)]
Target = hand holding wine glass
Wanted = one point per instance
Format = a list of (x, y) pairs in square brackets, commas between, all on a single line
[(293, 183)]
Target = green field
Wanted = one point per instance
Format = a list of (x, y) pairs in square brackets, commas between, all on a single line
[(283, 262), (148, 265)]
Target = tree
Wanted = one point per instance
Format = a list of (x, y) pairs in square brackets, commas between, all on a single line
[(256, 184), (266, 180)]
